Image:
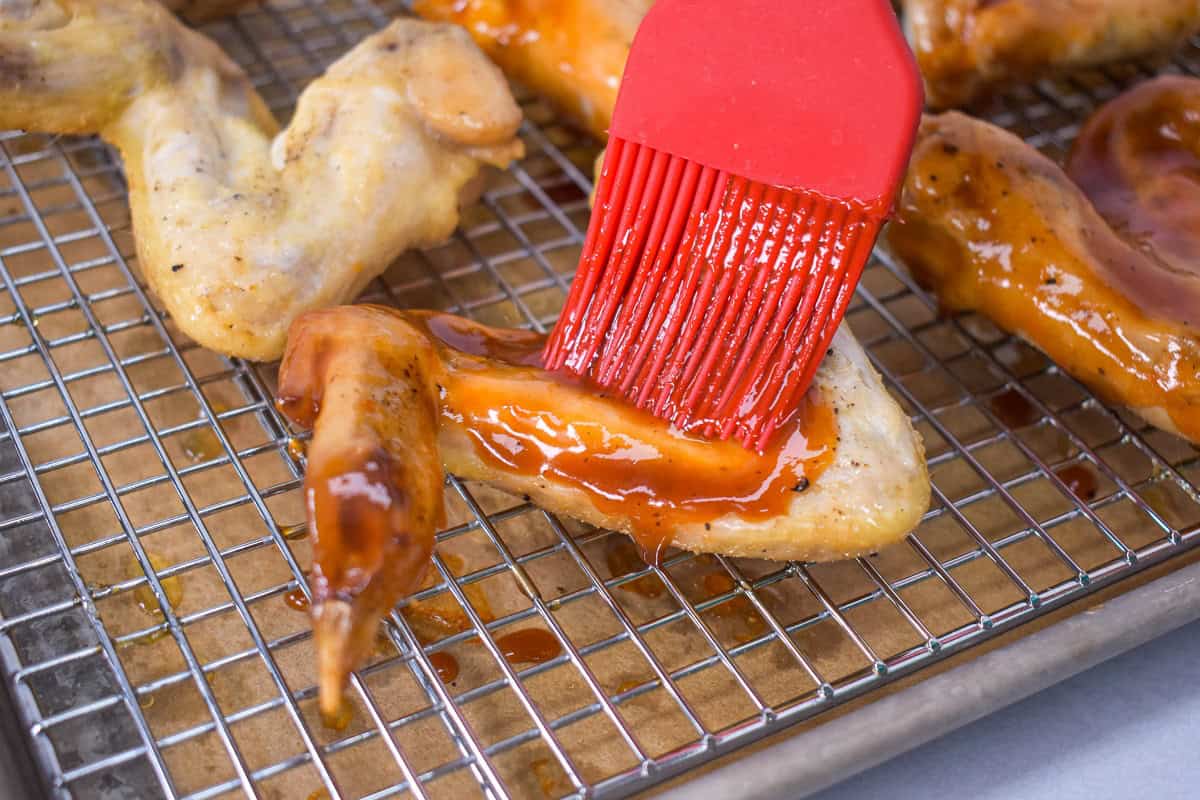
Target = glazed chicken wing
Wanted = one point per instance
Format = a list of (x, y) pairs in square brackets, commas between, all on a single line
[(570, 51), (965, 47), (394, 397), (994, 226), (236, 232)]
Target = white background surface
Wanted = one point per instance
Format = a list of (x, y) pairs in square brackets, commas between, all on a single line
[(1129, 727)]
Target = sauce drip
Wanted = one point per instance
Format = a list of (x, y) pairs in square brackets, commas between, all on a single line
[(319, 794), (437, 617), (1080, 480), (622, 558), (529, 646), (1013, 409), (296, 599), (143, 595), (200, 444), (296, 448), (445, 664)]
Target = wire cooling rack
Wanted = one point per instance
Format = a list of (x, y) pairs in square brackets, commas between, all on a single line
[(152, 540)]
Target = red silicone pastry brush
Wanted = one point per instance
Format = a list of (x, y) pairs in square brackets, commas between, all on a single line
[(755, 150)]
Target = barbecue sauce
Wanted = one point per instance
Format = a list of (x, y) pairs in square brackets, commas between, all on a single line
[(201, 443), (627, 463), (445, 664), (143, 595), (296, 448), (1079, 480), (296, 599), (529, 646)]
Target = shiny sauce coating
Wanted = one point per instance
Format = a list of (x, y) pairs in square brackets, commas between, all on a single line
[(625, 461), (994, 226), (1138, 161)]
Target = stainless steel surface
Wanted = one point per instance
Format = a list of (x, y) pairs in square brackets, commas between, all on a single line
[(1005, 540), (822, 756)]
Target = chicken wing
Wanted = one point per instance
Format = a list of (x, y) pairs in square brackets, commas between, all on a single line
[(570, 51), (965, 47), (1138, 161), (394, 397), (236, 233), (994, 226)]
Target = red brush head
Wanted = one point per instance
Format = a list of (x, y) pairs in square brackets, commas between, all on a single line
[(823, 96)]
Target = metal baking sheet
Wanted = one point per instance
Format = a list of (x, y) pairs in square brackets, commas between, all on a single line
[(151, 528), (886, 727)]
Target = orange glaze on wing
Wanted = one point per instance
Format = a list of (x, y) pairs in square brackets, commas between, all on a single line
[(967, 47), (570, 51), (625, 460), (1138, 161), (994, 226), (650, 480)]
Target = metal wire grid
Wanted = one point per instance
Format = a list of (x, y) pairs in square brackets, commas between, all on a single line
[(163, 439)]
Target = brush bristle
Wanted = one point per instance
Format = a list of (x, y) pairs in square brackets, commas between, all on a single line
[(706, 298)]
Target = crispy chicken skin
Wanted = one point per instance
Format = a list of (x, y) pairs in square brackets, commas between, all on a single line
[(965, 47), (991, 225), (239, 234), (394, 397), (570, 51)]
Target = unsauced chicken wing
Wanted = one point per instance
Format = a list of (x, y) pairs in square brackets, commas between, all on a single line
[(571, 51), (395, 397), (965, 47), (992, 225), (238, 234)]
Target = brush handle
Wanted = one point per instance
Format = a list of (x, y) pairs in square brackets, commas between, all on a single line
[(823, 96)]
